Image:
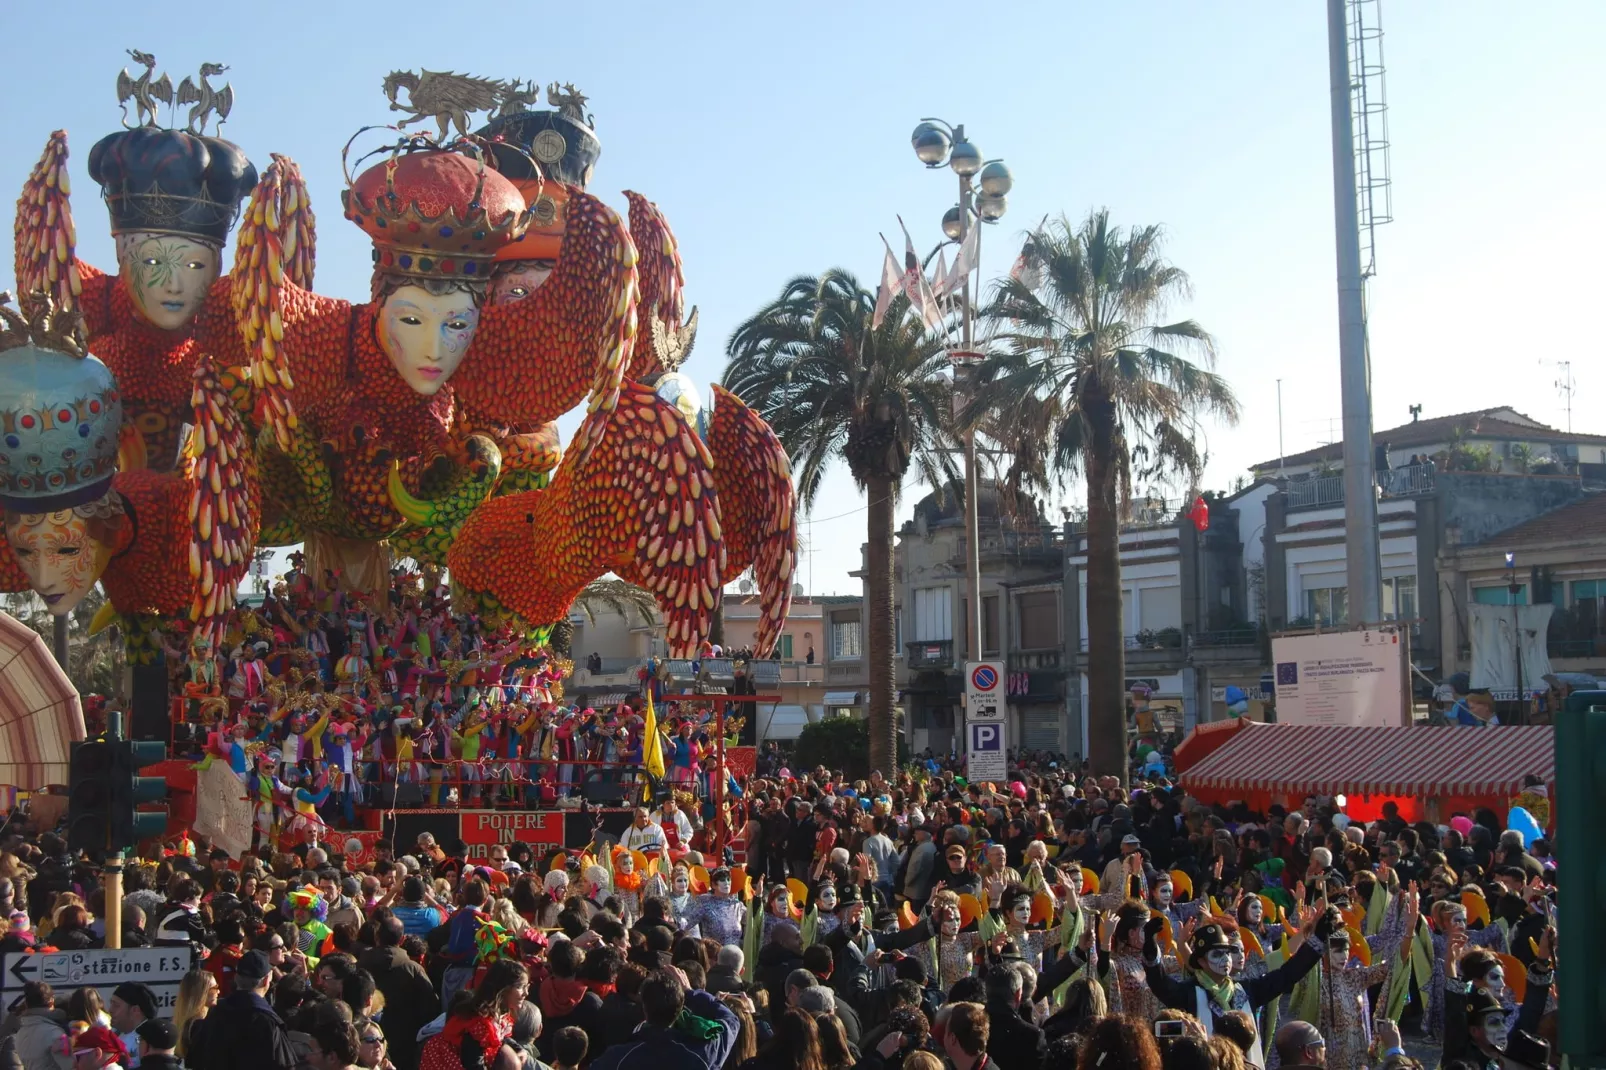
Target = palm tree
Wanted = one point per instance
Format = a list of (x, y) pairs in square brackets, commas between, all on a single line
[(1086, 379), (832, 385)]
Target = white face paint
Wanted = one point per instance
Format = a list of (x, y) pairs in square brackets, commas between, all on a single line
[(426, 336), (681, 883), (827, 897), (1255, 911), (1022, 912), (781, 905), (627, 864), (1237, 957), (1218, 962), (722, 887), (950, 926), (1162, 893), (1494, 982), (1458, 920), (1494, 1030), (1338, 958)]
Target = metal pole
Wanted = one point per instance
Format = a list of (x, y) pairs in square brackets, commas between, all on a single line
[(1361, 556), (111, 877), (58, 641), (1280, 453), (973, 646)]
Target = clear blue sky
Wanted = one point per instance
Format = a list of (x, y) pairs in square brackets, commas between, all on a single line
[(775, 137)]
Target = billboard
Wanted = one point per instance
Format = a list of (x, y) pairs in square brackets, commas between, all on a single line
[(1340, 678)]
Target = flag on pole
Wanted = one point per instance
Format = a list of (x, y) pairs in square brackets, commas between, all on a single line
[(652, 751), (968, 257), (891, 286), (940, 278), (916, 286)]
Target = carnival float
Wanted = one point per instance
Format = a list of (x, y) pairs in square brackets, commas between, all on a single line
[(163, 421)]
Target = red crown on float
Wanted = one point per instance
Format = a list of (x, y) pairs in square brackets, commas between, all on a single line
[(436, 213)]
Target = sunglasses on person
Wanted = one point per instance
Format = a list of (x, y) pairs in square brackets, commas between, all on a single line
[(373, 1038)]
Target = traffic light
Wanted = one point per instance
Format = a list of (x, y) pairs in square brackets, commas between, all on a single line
[(1580, 799), (89, 796), (130, 825)]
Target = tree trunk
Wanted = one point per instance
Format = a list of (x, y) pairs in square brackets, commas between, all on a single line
[(878, 610), (1106, 646)]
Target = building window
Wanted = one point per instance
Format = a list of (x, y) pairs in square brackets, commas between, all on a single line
[(1500, 596), (847, 639), (989, 624), (1328, 606), (1399, 598), (934, 614), (786, 648), (1039, 617)]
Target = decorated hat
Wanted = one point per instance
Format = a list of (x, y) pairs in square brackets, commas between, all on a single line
[(1207, 938), (435, 213), (60, 412), (848, 897), (172, 181), (493, 943), (559, 146)]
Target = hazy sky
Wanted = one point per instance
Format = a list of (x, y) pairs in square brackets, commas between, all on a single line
[(775, 138)]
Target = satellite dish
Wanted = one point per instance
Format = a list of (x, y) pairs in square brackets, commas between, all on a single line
[(797, 590), (746, 586)]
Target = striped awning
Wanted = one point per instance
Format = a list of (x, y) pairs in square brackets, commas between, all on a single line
[(40, 715), (1330, 760)]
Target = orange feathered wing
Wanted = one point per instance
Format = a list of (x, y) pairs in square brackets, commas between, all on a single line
[(533, 360), (642, 505), (43, 232), (662, 280), (225, 504), (758, 508), (276, 244)]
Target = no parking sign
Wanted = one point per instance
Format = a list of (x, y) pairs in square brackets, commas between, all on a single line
[(983, 685)]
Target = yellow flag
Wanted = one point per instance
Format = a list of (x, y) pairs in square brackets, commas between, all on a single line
[(652, 751)]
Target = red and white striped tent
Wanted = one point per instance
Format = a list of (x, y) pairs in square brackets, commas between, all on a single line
[(40, 716), (1459, 768)]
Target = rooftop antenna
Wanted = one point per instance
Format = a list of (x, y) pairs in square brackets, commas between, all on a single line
[(1565, 386), (1416, 413)]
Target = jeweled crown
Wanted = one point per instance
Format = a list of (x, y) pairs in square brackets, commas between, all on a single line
[(60, 412), (435, 212)]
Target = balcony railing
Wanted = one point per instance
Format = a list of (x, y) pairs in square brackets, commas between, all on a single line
[(1227, 637), (844, 668), (1575, 648), (1410, 481), (931, 655), (1164, 639)]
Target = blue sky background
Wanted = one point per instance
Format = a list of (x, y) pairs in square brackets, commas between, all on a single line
[(775, 138)]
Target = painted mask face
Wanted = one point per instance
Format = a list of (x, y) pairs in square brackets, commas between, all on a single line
[(949, 926), (627, 864), (1236, 957), (1022, 912), (1218, 962), (1494, 1030), (1162, 893), (781, 905), (722, 887), (427, 335), (167, 276), (827, 897), (61, 554), (520, 281), (1255, 911), (1338, 955), (1073, 877), (681, 882), (1495, 982), (1458, 921)]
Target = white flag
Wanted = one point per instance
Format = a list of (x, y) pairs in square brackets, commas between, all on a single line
[(967, 259), (915, 285), (891, 286), (939, 278)]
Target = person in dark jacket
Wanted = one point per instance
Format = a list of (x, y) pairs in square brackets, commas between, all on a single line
[(565, 1000), (243, 1032), (957, 876), (621, 1008), (666, 1041), (410, 1000), (1208, 991), (777, 959), (1014, 1043)]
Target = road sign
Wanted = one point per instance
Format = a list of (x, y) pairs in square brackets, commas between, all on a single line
[(162, 968), (984, 690), (985, 751)]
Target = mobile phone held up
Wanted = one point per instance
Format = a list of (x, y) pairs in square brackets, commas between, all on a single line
[(1169, 1029)]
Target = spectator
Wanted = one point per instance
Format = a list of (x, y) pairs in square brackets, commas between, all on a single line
[(1014, 1042), (410, 1000), (41, 1032), (158, 1045), (1300, 1046), (244, 1032), (133, 1005), (663, 997)]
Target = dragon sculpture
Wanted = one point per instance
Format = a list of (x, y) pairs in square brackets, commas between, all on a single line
[(206, 100), (144, 92), (446, 97)]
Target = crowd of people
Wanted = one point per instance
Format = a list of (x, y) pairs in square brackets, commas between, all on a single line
[(920, 923), (322, 700)]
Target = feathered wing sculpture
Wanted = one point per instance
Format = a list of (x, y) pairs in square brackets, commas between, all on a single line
[(43, 233), (758, 508)]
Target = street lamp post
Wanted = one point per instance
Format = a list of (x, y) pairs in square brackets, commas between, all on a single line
[(937, 143)]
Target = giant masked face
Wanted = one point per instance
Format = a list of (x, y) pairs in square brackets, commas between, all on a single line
[(426, 335), (64, 553), (521, 279), (167, 276)]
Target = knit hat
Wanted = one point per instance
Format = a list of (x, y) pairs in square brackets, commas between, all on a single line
[(253, 967)]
